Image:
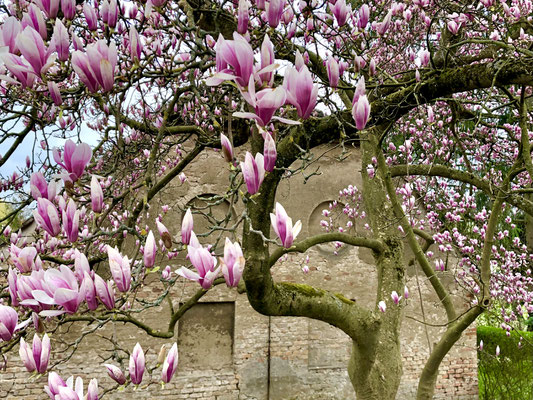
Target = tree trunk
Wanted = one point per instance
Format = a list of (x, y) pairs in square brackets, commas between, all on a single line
[(375, 369), (375, 366), (375, 375)]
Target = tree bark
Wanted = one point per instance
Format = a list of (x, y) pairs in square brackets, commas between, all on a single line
[(375, 368)]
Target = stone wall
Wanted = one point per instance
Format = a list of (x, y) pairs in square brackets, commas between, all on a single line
[(229, 351)]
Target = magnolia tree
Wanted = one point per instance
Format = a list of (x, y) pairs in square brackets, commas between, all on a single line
[(435, 93)]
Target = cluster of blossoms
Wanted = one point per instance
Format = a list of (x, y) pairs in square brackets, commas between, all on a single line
[(342, 214)]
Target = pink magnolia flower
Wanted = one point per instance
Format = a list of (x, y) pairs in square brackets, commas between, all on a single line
[(12, 279), (205, 264), (359, 63), (20, 68), (80, 64), (269, 152), (71, 219), (50, 7), (8, 322), (361, 112), (243, 17), (60, 41), (69, 8), (105, 292), (227, 149), (364, 16), (232, 263), (58, 389), (267, 60), (395, 297), (340, 11), (288, 16), (333, 72), (405, 293), (34, 18), (8, 32), (31, 46), (109, 12), (90, 16), (211, 42), (299, 61), (424, 58), (150, 250), (383, 26), (115, 373), (120, 269), (54, 384), (37, 323), (453, 27), (103, 61), (265, 102), (136, 366), (74, 160), (96, 68), (60, 287), (282, 225), (55, 94), (274, 12), (40, 188), (92, 390), (97, 195), (89, 288), (202, 259), (136, 46), (81, 265), (164, 233), (194, 242), (382, 306), (253, 171), (301, 92), (37, 358), (431, 115), (24, 259), (186, 227), (165, 274), (372, 67), (238, 55), (47, 217), (171, 364)]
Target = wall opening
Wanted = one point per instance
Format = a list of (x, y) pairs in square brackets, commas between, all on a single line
[(206, 337)]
